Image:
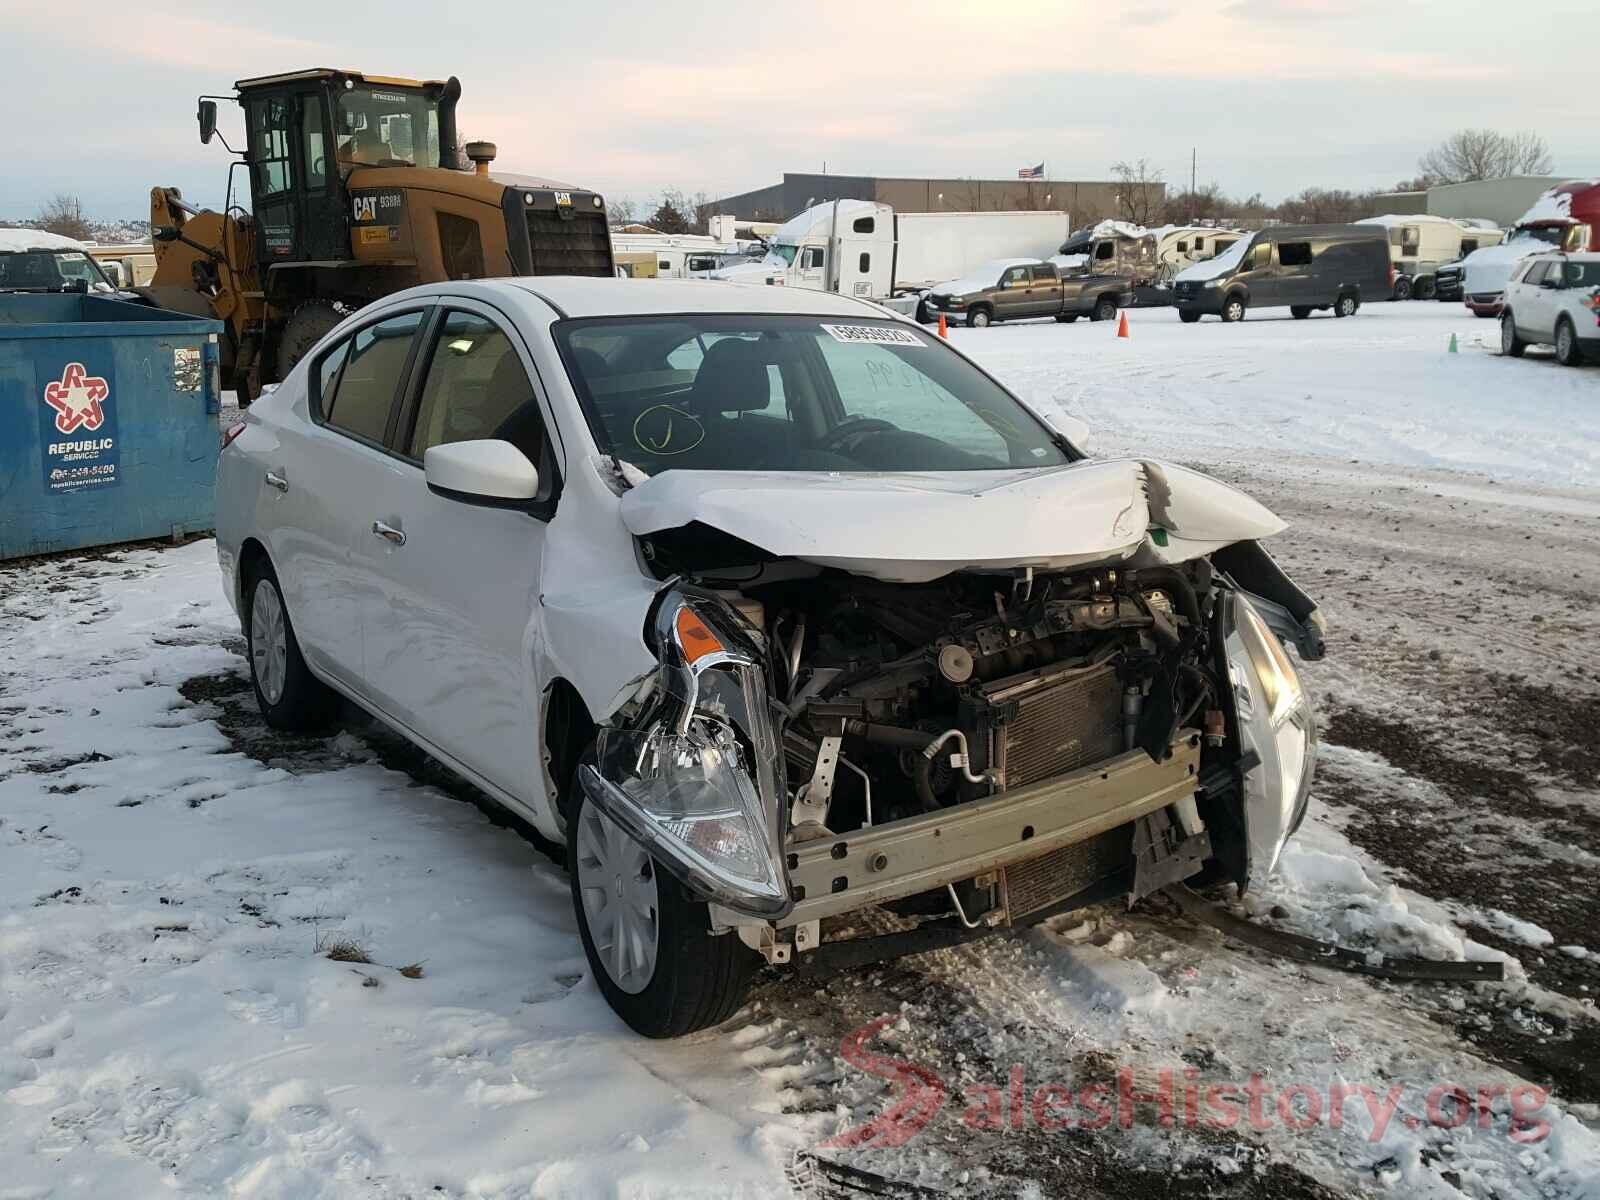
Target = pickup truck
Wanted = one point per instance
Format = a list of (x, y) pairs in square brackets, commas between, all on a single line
[(1010, 289)]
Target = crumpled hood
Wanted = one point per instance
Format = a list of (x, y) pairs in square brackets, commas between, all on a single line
[(911, 528)]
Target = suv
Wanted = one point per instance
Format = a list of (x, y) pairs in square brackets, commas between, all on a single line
[(777, 609), (1554, 300), (1012, 288)]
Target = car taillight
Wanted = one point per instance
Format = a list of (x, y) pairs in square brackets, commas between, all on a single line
[(1391, 275), (229, 434)]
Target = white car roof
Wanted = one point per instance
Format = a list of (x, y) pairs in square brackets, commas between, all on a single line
[(585, 296), (1582, 256)]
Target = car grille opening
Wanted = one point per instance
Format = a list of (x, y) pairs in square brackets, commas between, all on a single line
[(579, 245)]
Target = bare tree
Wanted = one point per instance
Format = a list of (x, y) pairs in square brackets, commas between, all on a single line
[(619, 212), (1317, 206), (1140, 191), (64, 215), (1470, 154)]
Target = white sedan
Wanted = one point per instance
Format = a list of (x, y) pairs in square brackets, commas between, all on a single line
[(774, 608)]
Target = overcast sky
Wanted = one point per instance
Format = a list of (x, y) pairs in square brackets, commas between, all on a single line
[(628, 98)]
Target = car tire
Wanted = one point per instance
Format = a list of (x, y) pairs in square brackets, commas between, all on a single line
[(1066, 318), (1345, 306), (1187, 316), (1568, 352), (1511, 345), (690, 979), (1402, 288), (1423, 288), (923, 316), (1300, 311), (980, 318), (1105, 309), (307, 325), (290, 697), (1233, 309)]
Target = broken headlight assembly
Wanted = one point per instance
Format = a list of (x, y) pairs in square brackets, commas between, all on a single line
[(1276, 721), (696, 774)]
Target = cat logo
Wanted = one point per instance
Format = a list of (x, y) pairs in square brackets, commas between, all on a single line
[(563, 199), (366, 207)]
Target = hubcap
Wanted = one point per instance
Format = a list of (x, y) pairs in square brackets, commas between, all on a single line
[(618, 885), (269, 641)]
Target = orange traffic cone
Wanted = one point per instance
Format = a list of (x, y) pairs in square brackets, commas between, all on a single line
[(1122, 326), (944, 328)]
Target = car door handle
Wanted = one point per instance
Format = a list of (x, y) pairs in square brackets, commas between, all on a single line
[(388, 533), (277, 481)]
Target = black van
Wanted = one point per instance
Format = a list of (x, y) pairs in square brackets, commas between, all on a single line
[(1301, 267)]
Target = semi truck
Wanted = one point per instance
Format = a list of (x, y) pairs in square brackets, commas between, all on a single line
[(1564, 218), (864, 248)]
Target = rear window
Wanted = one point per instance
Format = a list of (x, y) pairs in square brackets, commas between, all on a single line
[(1584, 274), (367, 386)]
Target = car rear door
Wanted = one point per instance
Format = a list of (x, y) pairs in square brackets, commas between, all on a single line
[(1293, 275), (1046, 289), (448, 646), (325, 470)]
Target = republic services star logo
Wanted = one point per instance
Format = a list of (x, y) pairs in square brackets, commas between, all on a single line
[(76, 397)]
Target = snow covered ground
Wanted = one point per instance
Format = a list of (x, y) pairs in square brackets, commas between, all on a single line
[(173, 876)]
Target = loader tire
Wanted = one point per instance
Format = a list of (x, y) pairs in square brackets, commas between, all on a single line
[(304, 329)]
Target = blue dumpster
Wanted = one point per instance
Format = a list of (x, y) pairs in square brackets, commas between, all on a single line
[(108, 422)]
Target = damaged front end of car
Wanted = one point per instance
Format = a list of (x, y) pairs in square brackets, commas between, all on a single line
[(848, 765)]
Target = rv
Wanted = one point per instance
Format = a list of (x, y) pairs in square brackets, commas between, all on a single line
[(677, 255), (130, 265), (866, 249), (1564, 218), (1420, 244)]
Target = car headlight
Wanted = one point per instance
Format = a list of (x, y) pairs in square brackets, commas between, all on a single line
[(1277, 722), (953, 300), (696, 776), (1211, 283)]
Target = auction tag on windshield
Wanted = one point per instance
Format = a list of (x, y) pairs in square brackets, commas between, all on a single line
[(876, 335)]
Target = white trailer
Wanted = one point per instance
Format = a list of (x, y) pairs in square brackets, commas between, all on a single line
[(1420, 244), (677, 255), (866, 249)]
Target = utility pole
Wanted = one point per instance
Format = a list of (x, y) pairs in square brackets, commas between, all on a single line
[(1194, 153)]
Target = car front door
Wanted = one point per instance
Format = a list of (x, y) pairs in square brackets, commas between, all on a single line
[(323, 473), (1012, 297), (448, 648), (812, 263), (1529, 299), (1258, 274)]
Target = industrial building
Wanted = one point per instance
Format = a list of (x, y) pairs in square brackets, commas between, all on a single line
[(1084, 199), (1502, 201)]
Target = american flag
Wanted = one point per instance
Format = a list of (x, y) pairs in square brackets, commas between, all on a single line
[(1031, 172)]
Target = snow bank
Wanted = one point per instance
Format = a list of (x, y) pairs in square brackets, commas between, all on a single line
[(1211, 268)]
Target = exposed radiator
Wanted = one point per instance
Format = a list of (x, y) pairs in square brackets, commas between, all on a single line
[(1065, 718), (1051, 878)]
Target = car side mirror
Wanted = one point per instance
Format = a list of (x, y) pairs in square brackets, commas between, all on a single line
[(488, 471), (1074, 429), (207, 116)]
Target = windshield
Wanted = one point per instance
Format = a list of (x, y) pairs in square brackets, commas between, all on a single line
[(1551, 235), (380, 126), (51, 270), (792, 393), (782, 252)]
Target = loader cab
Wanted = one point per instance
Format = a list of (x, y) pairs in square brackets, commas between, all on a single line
[(307, 130)]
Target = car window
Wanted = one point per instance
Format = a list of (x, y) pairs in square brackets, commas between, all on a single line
[(1535, 272), (1260, 256), (328, 376), (1294, 254), (1015, 277), (476, 387), (1580, 274), (1044, 273), (366, 388)]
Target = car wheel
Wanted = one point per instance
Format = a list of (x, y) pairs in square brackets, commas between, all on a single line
[(1568, 353), (1510, 344), (1423, 288), (648, 941), (1233, 309), (980, 318), (289, 695), (1402, 288), (1066, 318), (1300, 311), (1105, 309), (1345, 306), (1187, 316)]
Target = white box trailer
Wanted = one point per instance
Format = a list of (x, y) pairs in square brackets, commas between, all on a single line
[(1420, 244), (866, 249)]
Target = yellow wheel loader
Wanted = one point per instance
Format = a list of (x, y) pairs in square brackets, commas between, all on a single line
[(358, 189)]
